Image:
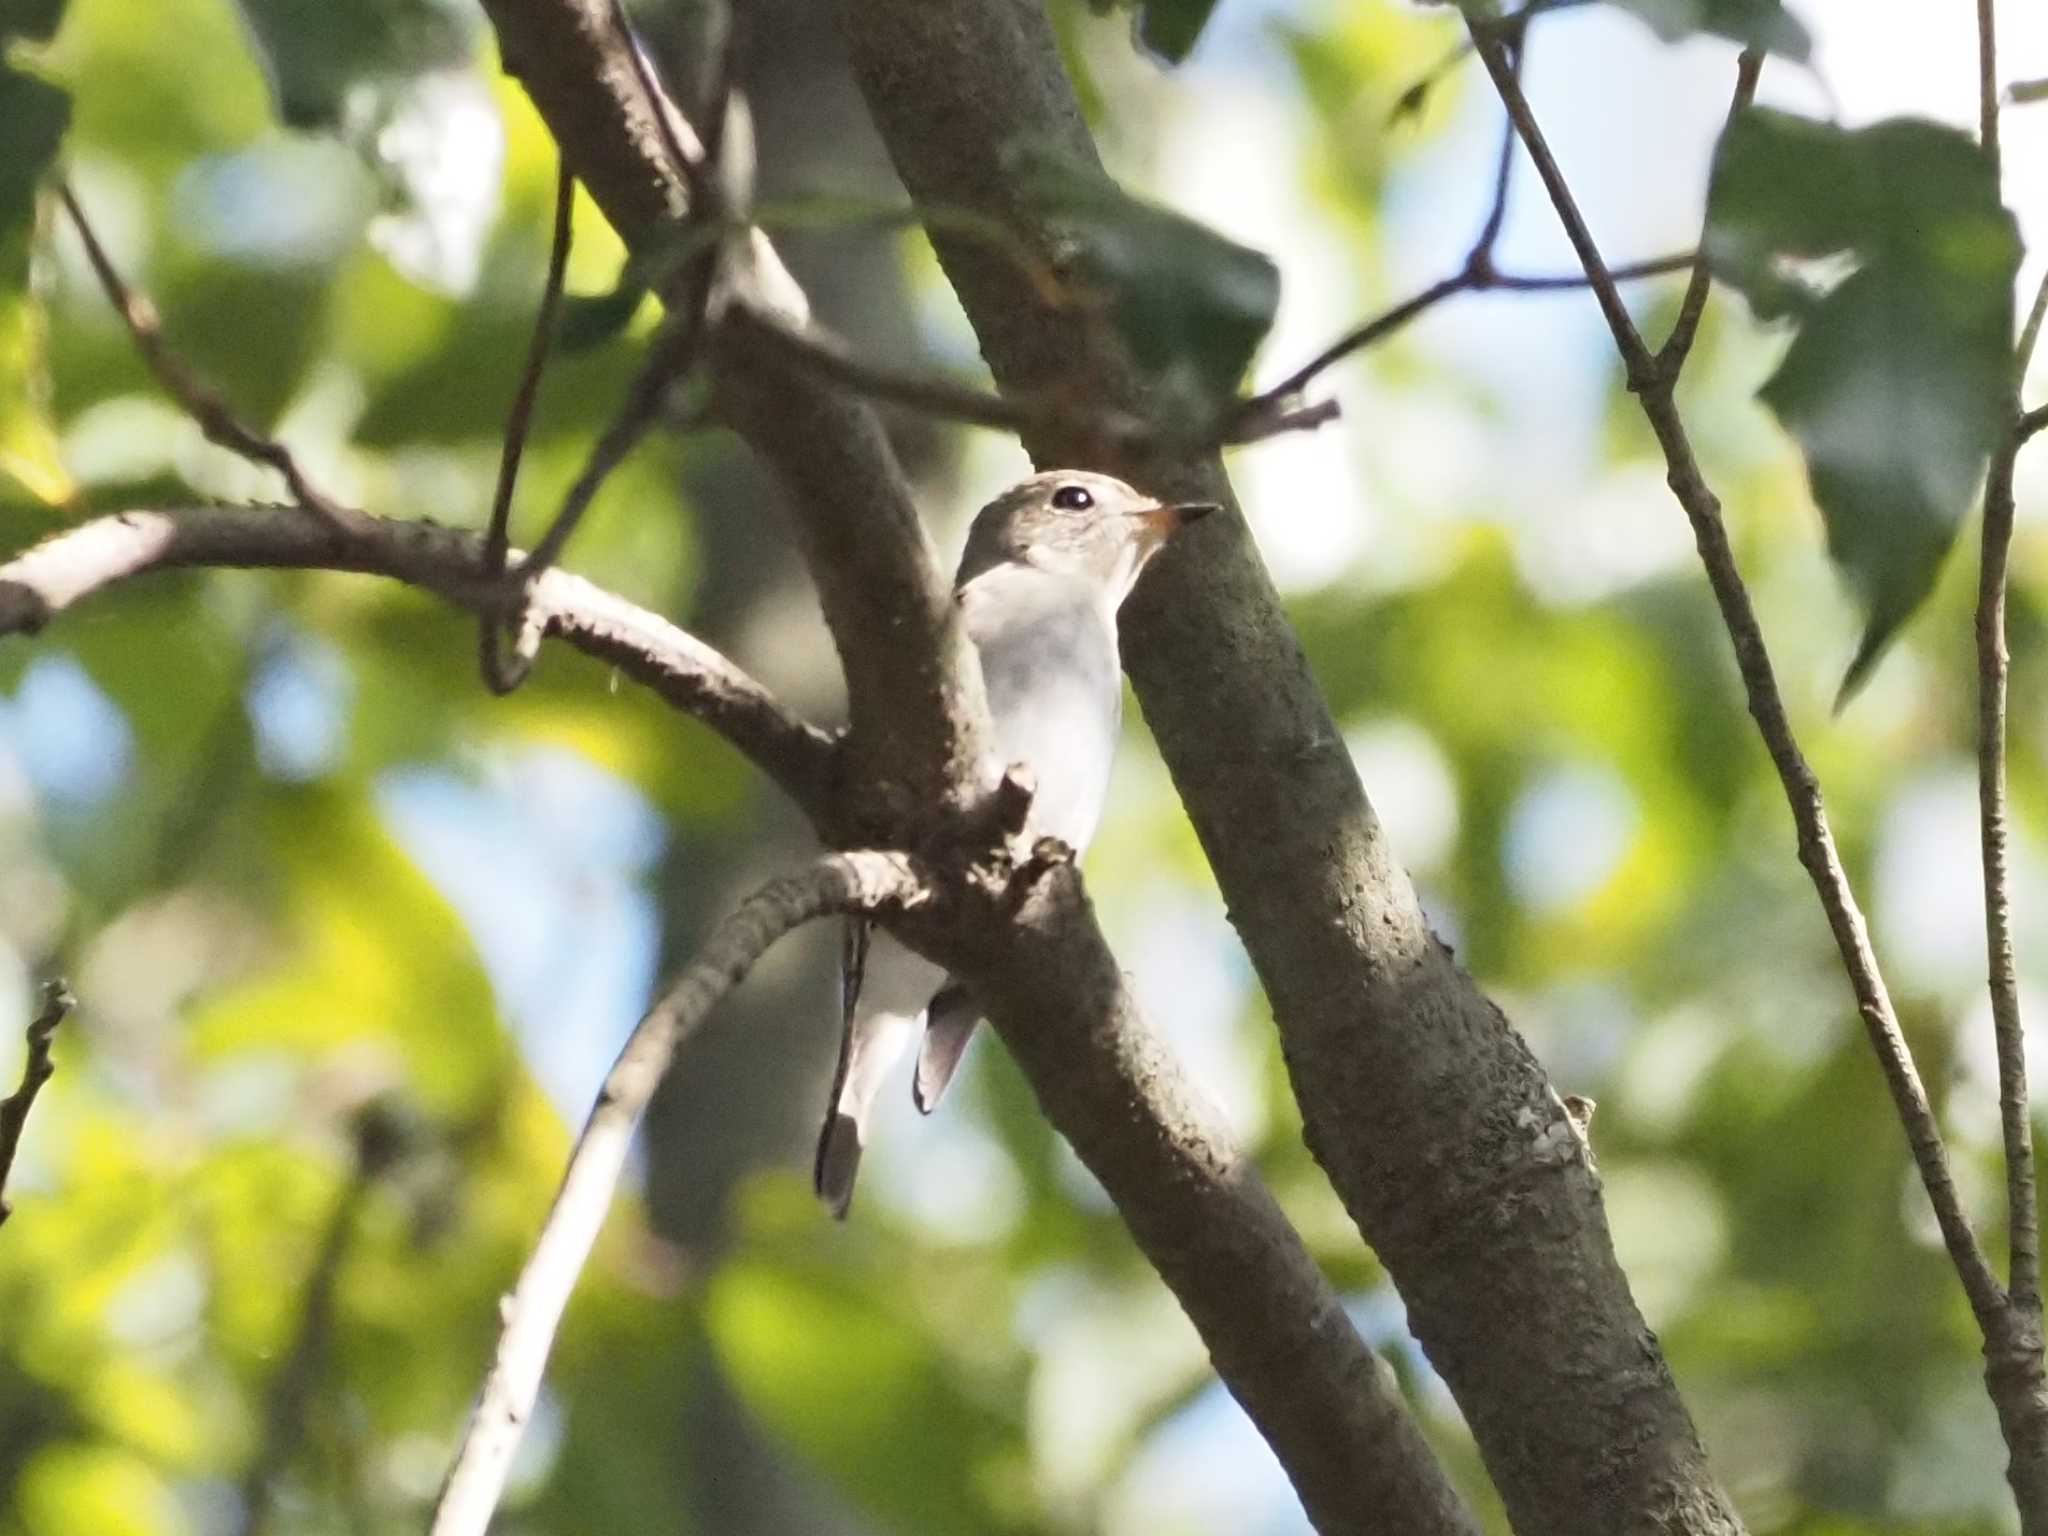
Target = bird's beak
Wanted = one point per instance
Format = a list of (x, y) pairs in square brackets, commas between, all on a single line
[(1163, 520)]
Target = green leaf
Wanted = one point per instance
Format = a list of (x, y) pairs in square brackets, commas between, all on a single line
[(33, 117), (1169, 28), (1165, 29), (315, 51), (1899, 379), (1764, 24), (847, 1373), (35, 20), (1191, 306)]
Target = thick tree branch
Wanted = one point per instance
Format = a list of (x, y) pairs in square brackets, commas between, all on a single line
[(1435, 1123), (1276, 1331), (839, 882), (913, 689), (36, 1070), (917, 761), (69, 566)]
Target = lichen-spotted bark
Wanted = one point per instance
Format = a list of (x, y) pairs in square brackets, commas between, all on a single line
[(1437, 1126)]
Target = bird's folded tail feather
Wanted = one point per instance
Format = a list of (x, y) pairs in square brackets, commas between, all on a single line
[(948, 1027)]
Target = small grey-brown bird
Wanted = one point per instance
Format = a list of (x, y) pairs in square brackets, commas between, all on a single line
[(1047, 565)]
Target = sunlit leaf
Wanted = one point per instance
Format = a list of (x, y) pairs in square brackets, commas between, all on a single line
[(33, 117), (1898, 379), (1191, 306), (1764, 24)]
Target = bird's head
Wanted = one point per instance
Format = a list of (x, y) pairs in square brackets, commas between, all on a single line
[(1072, 522)]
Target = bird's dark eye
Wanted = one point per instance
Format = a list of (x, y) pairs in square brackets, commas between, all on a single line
[(1072, 498)]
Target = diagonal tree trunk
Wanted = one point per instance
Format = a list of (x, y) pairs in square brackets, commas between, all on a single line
[(1438, 1127)]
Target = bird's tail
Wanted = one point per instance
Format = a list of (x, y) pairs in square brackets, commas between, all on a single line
[(872, 1043)]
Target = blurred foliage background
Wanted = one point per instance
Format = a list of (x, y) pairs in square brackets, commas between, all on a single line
[(354, 941)]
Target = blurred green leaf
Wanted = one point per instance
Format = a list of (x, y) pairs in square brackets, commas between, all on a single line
[(1166, 29), (1191, 305), (33, 117), (1764, 24), (36, 20), (1896, 384), (842, 1370), (314, 51)]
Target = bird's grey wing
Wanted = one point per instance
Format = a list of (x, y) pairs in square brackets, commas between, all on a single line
[(948, 1026)]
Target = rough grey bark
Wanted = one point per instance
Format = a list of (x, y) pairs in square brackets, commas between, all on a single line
[(1437, 1126), (1281, 1343)]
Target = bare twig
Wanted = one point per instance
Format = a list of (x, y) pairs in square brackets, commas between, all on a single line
[(1802, 790), (840, 882), (1693, 307), (1477, 274), (2030, 334), (497, 675), (2023, 1221), (36, 1070), (74, 564), (214, 417), (2031, 423), (1627, 339), (1987, 82)]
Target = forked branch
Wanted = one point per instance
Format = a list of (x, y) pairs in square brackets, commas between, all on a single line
[(839, 882)]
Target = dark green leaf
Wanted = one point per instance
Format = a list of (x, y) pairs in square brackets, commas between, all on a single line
[(1898, 381), (35, 20), (1896, 399), (1191, 306), (315, 51), (592, 319), (1764, 24), (33, 116), (1168, 28)]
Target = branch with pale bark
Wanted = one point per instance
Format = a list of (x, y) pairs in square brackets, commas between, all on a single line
[(865, 883), (43, 581)]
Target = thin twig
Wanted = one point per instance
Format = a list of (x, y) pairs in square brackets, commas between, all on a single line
[(840, 882), (1817, 851), (2023, 1223), (668, 359), (2030, 333), (497, 532), (72, 565), (215, 419), (36, 1070), (1987, 82), (1749, 66), (1627, 339), (2032, 422), (2022, 1209)]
